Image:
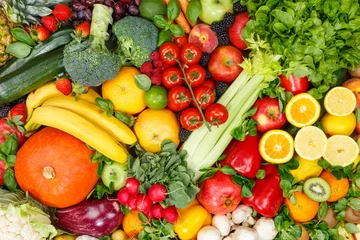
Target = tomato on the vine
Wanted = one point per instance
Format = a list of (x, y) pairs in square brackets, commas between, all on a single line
[(294, 84), (209, 83), (191, 119), (180, 41), (216, 114), (171, 77), (169, 53), (195, 74), (190, 53), (179, 98), (204, 96)]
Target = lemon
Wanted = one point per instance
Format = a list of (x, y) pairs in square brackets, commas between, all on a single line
[(123, 92), (302, 110), (306, 169), (341, 150), (339, 125), (310, 143), (340, 101), (276, 146), (152, 127)]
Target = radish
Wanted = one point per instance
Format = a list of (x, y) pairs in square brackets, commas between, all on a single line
[(157, 192), (123, 196), (132, 186), (143, 203), (170, 214), (157, 211), (132, 202)]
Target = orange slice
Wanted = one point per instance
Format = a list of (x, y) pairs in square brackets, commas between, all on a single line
[(276, 146), (302, 110)]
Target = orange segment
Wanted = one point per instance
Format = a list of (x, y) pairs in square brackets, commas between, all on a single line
[(302, 110), (276, 146)]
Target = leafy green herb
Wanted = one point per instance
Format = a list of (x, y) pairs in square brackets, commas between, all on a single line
[(168, 168), (142, 81), (105, 105), (248, 126), (320, 231), (8, 150), (274, 90), (155, 229), (193, 10), (101, 159), (286, 226), (18, 49), (22, 36), (260, 174), (124, 209), (100, 190), (288, 184), (128, 119)]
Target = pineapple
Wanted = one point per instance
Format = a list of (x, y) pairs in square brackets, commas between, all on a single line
[(5, 38)]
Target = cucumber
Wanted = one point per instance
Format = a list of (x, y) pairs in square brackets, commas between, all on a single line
[(58, 39), (32, 75)]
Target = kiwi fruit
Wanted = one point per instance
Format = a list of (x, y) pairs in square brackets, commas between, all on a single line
[(317, 189)]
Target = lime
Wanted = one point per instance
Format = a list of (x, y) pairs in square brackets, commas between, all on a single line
[(156, 97), (150, 8)]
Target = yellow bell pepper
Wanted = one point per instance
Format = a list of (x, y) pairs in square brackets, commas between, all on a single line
[(191, 220)]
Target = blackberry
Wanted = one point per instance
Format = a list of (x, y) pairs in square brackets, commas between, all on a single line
[(21, 100), (221, 88), (5, 108), (178, 114), (228, 20), (223, 39), (218, 27), (184, 134), (238, 8), (208, 74), (204, 59)]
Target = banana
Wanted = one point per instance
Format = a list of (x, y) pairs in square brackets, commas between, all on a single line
[(80, 128), (48, 90), (96, 115)]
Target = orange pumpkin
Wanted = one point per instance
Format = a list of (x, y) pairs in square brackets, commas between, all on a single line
[(55, 168)]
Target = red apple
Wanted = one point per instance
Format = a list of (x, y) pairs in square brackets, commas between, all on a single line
[(204, 37), (219, 194), (268, 114), (224, 63), (236, 29), (354, 85), (6, 130)]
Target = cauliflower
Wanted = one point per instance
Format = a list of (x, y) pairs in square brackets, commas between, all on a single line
[(19, 220)]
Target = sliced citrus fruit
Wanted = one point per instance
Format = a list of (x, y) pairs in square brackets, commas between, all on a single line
[(302, 110), (340, 101), (310, 143), (341, 150), (276, 146)]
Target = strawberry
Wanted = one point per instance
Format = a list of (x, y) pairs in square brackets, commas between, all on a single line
[(83, 30), (78, 89), (38, 33), (50, 22), (62, 12), (64, 85), (18, 110)]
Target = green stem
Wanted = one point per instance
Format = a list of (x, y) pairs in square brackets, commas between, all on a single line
[(101, 18)]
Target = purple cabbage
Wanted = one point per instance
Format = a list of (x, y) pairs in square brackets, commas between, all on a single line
[(93, 217)]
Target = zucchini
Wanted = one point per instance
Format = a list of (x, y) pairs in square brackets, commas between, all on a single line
[(32, 75), (58, 39)]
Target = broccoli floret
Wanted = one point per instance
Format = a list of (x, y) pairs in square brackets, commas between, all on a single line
[(137, 39), (89, 62)]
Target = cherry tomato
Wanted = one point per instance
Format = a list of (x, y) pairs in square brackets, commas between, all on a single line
[(204, 96), (195, 74), (216, 114), (169, 53), (179, 98), (191, 119), (190, 54), (180, 41), (171, 77), (209, 83), (294, 84)]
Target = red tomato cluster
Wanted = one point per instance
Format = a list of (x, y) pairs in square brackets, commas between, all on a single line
[(184, 75)]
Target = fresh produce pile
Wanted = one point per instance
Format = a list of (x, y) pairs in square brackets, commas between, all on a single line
[(179, 119)]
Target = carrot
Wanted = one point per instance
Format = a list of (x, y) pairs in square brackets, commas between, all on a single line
[(181, 20), (184, 5)]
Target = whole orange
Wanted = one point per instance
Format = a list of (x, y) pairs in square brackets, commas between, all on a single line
[(55, 168), (339, 188), (304, 210), (152, 127), (131, 224)]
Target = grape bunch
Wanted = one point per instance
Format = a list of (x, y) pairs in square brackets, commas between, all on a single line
[(82, 9)]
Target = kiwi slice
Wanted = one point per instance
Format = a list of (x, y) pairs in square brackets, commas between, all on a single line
[(317, 189)]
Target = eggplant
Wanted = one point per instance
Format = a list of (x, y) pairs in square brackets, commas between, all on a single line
[(93, 217)]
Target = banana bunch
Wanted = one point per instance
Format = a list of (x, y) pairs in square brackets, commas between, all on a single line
[(81, 118)]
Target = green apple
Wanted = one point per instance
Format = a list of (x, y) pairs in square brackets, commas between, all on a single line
[(114, 173), (214, 10)]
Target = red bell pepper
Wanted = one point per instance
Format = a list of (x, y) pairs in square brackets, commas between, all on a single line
[(243, 156), (267, 195)]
